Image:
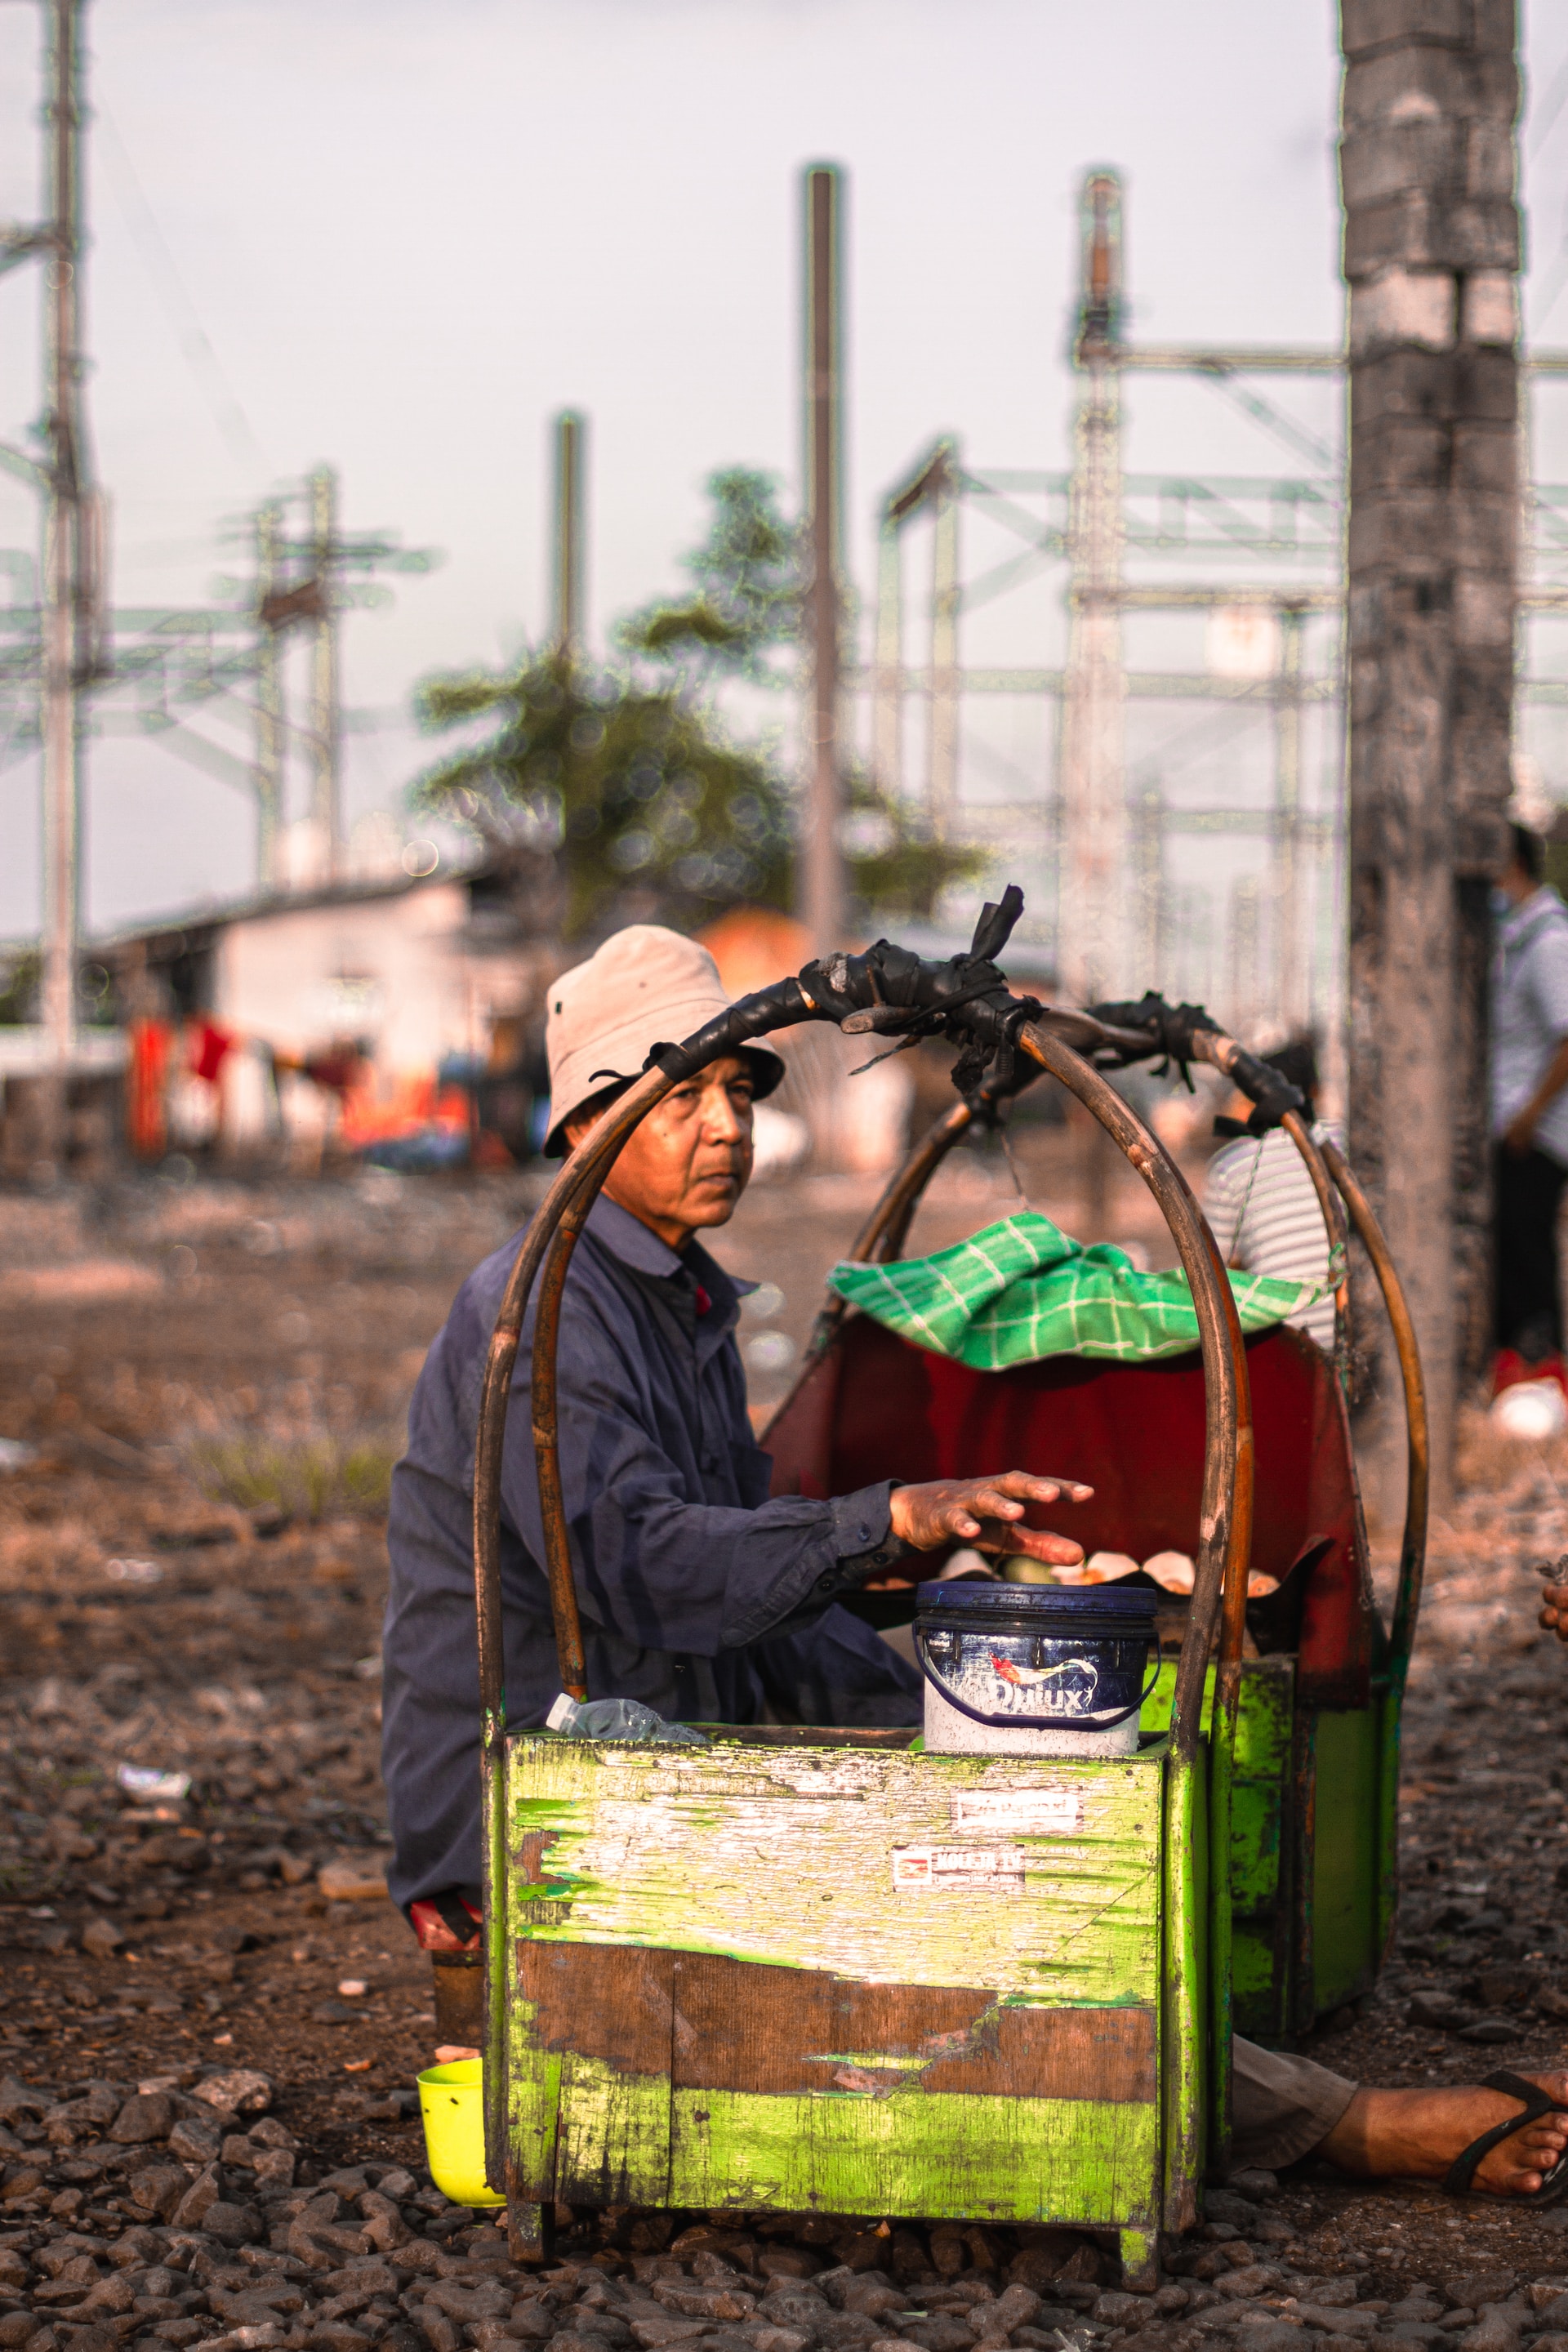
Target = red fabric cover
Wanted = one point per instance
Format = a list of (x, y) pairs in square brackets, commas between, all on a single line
[(878, 1407)]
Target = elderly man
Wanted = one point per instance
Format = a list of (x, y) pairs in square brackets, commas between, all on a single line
[(700, 1596)]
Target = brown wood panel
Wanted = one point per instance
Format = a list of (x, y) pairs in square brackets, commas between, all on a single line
[(602, 2001), (711, 2023), (739, 2026), (1058, 2053)]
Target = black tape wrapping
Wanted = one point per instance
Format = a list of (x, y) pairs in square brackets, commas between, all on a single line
[(895, 992), (1270, 1095), (1171, 1028)]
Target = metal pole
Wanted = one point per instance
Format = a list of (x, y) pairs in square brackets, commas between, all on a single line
[(1090, 947), (566, 567), (1146, 948), (888, 691), (1289, 912), (820, 885), (67, 473), (945, 682), (268, 699), (326, 792)]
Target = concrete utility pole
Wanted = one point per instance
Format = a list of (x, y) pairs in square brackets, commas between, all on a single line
[(326, 750), (820, 872), (1432, 251), (566, 572), (65, 505), (1091, 928)]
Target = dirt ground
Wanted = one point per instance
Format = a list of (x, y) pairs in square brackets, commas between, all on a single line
[(207, 2125)]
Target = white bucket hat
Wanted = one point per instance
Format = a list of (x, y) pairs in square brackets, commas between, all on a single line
[(646, 986)]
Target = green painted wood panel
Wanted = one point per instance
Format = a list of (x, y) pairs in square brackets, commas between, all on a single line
[(1260, 1798), (1062, 2160), (1345, 1857), (1025, 1961), (787, 1856)]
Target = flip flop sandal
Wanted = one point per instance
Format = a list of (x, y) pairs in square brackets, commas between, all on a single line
[(1461, 2173)]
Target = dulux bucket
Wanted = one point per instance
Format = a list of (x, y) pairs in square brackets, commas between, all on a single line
[(452, 2109), (1033, 1669)]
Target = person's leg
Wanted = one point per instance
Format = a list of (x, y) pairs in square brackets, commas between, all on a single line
[(1282, 2108), (1529, 1191), (1418, 2135), (1552, 1180)]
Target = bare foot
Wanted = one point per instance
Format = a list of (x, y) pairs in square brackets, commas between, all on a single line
[(1418, 2135)]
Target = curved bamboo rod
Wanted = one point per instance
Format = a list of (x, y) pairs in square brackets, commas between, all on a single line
[(1419, 1453), (880, 1237), (1225, 1524), (1225, 1552)]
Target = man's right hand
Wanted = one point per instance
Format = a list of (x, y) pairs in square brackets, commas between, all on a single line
[(988, 1514)]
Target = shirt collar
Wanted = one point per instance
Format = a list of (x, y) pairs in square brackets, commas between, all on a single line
[(627, 1238), (1520, 922)]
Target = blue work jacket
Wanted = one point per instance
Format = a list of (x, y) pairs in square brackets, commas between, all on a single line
[(698, 1595)]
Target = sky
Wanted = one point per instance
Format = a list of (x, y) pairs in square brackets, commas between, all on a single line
[(399, 238)]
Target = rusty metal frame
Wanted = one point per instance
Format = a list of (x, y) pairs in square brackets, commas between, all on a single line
[(882, 1236), (1219, 1590)]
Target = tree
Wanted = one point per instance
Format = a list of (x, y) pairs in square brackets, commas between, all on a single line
[(611, 800), (747, 600), (745, 612), (618, 795)]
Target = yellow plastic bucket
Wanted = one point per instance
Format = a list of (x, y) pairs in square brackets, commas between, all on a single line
[(451, 2106)]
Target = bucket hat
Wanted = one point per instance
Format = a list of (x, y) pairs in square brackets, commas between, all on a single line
[(646, 986)]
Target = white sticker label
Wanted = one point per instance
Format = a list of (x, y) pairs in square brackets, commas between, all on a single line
[(1027, 1812), (967, 1869)]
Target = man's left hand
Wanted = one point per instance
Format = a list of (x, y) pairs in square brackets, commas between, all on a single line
[(1519, 1135), (987, 1513)]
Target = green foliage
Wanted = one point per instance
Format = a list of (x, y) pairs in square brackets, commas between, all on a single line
[(896, 866), (747, 600), (19, 976), (633, 791), (625, 787)]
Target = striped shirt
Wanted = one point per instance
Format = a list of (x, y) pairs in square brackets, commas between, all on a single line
[(1259, 1201)]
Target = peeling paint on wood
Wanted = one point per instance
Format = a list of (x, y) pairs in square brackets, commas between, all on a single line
[(691, 2022), (786, 1856)]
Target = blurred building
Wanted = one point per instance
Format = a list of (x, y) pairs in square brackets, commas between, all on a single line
[(397, 1018)]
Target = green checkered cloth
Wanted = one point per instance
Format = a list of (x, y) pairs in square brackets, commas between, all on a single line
[(1023, 1289)]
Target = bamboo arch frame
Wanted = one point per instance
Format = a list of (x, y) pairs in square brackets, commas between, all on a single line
[(1219, 1591)]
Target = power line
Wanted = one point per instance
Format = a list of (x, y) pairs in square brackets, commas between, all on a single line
[(227, 411)]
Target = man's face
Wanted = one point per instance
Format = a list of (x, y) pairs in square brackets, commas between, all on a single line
[(690, 1161), (1517, 883)]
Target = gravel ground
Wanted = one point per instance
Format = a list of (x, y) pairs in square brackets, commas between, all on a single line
[(210, 2023)]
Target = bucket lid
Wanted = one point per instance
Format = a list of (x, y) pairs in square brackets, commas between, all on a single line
[(983, 1603)]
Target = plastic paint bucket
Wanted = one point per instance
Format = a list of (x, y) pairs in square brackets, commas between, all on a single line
[(1033, 1670), (452, 2109)]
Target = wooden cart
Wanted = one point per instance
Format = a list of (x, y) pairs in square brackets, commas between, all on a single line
[(712, 1978)]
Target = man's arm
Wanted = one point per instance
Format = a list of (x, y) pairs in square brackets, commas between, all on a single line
[(1546, 978), (1519, 1135), (657, 1570)]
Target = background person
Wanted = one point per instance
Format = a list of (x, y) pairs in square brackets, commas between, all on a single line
[(1529, 1115), (1260, 1203)]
